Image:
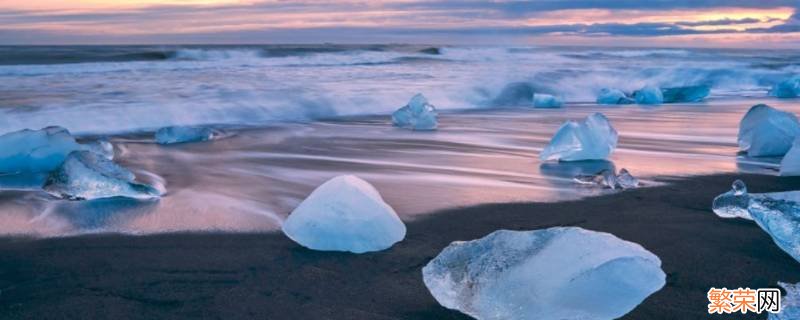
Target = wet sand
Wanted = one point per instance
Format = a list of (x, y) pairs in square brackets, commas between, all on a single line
[(266, 276)]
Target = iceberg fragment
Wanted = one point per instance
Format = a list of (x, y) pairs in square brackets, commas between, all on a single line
[(555, 273), (31, 151), (790, 303), (418, 114), (766, 131), (649, 95), (777, 213), (613, 96), (183, 134), (102, 147), (686, 94), (345, 214), (789, 88), (790, 164), (85, 175), (608, 179), (626, 180), (541, 100), (592, 139), (514, 94)]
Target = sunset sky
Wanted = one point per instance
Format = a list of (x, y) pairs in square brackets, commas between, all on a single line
[(733, 23)]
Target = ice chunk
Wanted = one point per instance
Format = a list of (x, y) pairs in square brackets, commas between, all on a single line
[(766, 131), (790, 165), (790, 303), (625, 180), (515, 94), (592, 139), (733, 204), (541, 100), (649, 95), (686, 94), (30, 151), (777, 213), (101, 147), (608, 179), (555, 273), (345, 214), (786, 89), (183, 134), (85, 175), (613, 96), (418, 114)]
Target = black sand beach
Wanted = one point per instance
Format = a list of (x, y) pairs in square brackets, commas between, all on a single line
[(266, 276)]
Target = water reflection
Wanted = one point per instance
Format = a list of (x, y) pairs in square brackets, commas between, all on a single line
[(571, 169)]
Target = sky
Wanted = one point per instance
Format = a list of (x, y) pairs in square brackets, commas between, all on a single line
[(655, 23)]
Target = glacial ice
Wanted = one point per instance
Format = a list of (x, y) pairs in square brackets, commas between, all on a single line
[(345, 214), (555, 273), (183, 134), (31, 151), (608, 179), (86, 175), (102, 147), (766, 131), (686, 94), (592, 139), (789, 88), (790, 165), (418, 114), (613, 96), (777, 213), (542, 100), (649, 95), (790, 303), (626, 180)]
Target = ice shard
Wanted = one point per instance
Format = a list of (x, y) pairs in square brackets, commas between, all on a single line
[(591, 139)]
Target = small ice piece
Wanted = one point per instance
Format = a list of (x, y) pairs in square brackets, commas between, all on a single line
[(592, 139), (786, 89), (765, 131), (418, 114), (625, 180), (790, 165), (86, 175), (649, 95), (686, 94), (733, 204), (613, 96), (101, 147), (345, 214), (790, 303), (183, 134), (31, 151), (555, 273), (542, 100)]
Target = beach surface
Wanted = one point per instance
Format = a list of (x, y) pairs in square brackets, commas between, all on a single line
[(267, 276)]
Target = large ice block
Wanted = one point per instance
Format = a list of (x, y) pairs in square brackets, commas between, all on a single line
[(766, 131), (790, 165), (613, 96), (345, 214), (592, 139), (649, 95), (555, 273), (542, 100), (418, 114), (789, 88), (30, 151), (686, 94)]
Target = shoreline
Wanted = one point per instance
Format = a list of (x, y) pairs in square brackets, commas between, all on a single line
[(266, 275)]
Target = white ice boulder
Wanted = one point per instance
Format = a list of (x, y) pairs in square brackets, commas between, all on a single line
[(555, 273), (789, 88), (613, 96), (790, 165), (345, 214), (649, 95), (777, 213), (592, 139), (86, 175), (31, 151), (790, 303), (184, 134), (766, 131), (418, 114), (542, 100)]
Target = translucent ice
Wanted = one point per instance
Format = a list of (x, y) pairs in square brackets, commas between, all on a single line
[(686, 94), (101, 147), (790, 303), (183, 134), (786, 89), (790, 165), (625, 180), (608, 179), (649, 95), (30, 151), (591, 139), (777, 213), (418, 114), (345, 214), (766, 131), (555, 273), (541, 100), (613, 96), (86, 175)]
